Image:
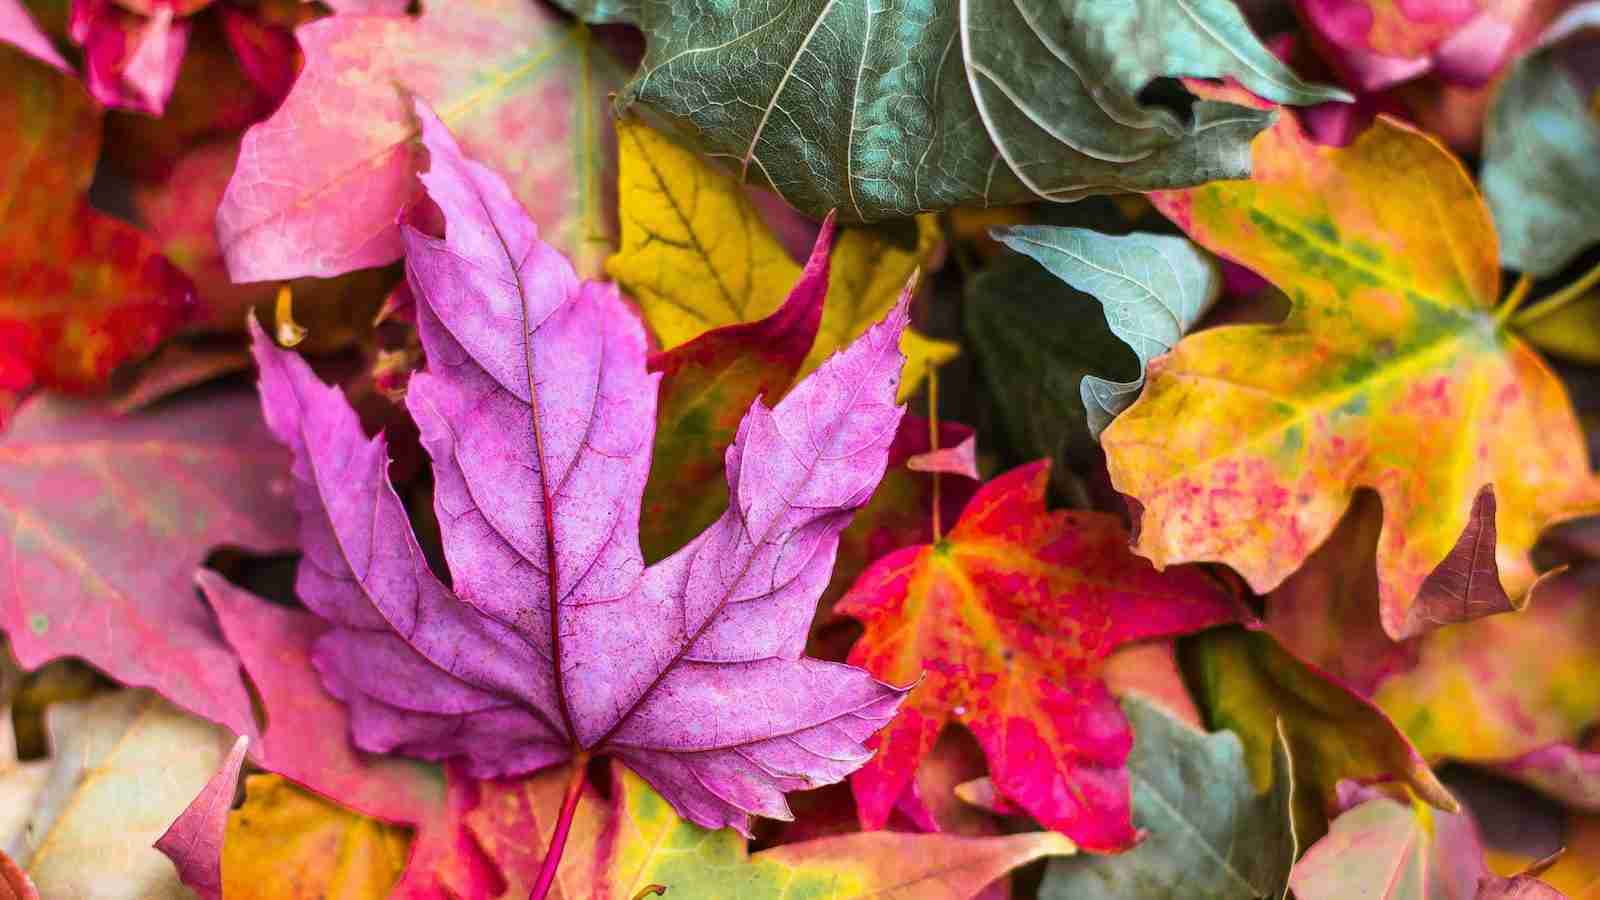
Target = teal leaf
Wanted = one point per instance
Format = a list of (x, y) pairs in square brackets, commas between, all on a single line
[(1152, 287), (882, 110), (1541, 158), (1209, 835)]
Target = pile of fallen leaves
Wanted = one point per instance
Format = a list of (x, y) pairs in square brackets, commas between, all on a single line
[(949, 449)]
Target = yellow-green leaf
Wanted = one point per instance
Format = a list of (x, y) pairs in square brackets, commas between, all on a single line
[(286, 843)]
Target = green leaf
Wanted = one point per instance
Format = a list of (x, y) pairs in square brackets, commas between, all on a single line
[(885, 110), (1153, 288), (1541, 158), (1210, 835), (1037, 341)]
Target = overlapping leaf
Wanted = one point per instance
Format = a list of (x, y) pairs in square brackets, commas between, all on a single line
[(103, 520), (1209, 835), (880, 112), (319, 184), (1007, 620), (697, 256), (537, 385), (286, 842), (1391, 372), (80, 291)]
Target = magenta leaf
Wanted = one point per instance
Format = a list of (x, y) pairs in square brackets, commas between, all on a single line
[(194, 840), (555, 640)]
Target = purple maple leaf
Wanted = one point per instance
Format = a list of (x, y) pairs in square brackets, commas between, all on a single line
[(555, 640)]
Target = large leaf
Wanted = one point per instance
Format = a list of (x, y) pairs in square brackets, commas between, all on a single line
[(886, 111), (1254, 688), (1210, 836), (1391, 372), (80, 291), (536, 385), (320, 183), (621, 847), (1022, 604), (125, 765), (1541, 157), (697, 255), (1153, 289), (103, 520)]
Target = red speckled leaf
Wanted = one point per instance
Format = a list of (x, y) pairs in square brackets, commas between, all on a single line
[(104, 518), (80, 292), (1007, 621), (320, 182)]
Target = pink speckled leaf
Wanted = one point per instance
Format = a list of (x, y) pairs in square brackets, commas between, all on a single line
[(962, 460), (131, 61), (320, 183), (194, 840), (18, 28), (555, 639), (1008, 621), (104, 518)]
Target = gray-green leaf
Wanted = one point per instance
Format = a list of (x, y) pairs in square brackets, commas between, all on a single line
[(1210, 835), (1153, 288), (880, 109), (1541, 158)]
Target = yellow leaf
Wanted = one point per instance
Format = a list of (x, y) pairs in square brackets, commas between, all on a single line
[(696, 255), (287, 843)]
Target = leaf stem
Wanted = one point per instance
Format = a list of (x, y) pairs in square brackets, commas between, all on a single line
[(647, 890), (1563, 297), (1519, 293), (933, 444), (558, 841)]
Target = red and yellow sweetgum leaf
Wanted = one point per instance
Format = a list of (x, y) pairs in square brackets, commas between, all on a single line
[(1249, 684), (1006, 621), (103, 519), (619, 847), (320, 183), (286, 843), (80, 291), (1390, 372)]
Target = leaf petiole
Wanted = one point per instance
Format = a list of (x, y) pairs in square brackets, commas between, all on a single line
[(1519, 293), (1559, 299), (558, 841)]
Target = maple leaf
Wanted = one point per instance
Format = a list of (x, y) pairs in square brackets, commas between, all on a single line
[(1010, 616), (103, 520), (319, 184), (80, 291), (634, 840), (555, 640), (1391, 372)]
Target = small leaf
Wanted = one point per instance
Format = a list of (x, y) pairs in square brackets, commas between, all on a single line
[(1209, 835), (1024, 604), (1153, 288), (18, 29), (194, 840)]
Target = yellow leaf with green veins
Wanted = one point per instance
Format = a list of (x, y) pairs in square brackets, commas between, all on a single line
[(697, 256), (1391, 372)]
